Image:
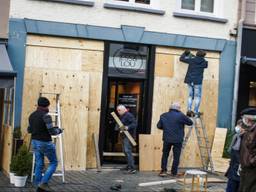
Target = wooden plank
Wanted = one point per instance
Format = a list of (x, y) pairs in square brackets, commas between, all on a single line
[(7, 148), (146, 147), (220, 164), (120, 124), (63, 42), (117, 154), (96, 140), (54, 58), (92, 61), (175, 51)]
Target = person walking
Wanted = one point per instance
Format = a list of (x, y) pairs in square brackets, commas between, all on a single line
[(234, 149), (130, 124), (172, 123), (41, 129), (248, 151), (194, 79)]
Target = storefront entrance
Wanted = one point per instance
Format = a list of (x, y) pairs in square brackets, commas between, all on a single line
[(128, 80)]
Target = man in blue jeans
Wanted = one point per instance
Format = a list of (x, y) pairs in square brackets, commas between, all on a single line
[(130, 124), (172, 123), (194, 78), (41, 129)]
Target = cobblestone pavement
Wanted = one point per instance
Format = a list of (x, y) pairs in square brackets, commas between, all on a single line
[(92, 181)]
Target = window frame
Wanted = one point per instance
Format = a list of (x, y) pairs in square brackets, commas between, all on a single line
[(154, 4), (217, 9)]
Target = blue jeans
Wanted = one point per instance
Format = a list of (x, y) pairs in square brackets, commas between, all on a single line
[(42, 149), (127, 148), (176, 156), (195, 92)]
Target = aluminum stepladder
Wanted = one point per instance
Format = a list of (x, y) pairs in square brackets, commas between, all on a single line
[(203, 143), (56, 116)]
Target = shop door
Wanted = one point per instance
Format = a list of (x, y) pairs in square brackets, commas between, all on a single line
[(128, 80), (130, 94)]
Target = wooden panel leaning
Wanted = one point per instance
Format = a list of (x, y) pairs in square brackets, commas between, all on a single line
[(120, 124)]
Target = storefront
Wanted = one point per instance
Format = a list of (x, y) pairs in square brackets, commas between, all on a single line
[(7, 87), (96, 69)]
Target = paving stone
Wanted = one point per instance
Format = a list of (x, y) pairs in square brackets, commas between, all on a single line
[(92, 181)]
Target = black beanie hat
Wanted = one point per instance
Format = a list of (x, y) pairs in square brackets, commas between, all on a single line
[(249, 111), (43, 102)]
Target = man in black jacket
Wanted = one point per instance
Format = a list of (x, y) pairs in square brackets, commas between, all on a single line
[(194, 78), (130, 124), (172, 123), (41, 129)]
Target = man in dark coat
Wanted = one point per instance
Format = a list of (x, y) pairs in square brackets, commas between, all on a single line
[(41, 129), (194, 78), (248, 151), (172, 123), (130, 124)]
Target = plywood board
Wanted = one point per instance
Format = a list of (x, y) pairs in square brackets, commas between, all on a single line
[(220, 164), (74, 99), (72, 67), (146, 156), (7, 148), (170, 89), (60, 42), (164, 65)]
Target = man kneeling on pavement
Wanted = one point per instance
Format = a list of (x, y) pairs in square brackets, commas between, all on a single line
[(172, 123)]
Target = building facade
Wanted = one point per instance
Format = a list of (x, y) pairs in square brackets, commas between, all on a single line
[(245, 95), (98, 54)]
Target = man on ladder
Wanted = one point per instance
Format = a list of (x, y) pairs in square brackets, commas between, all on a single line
[(41, 128)]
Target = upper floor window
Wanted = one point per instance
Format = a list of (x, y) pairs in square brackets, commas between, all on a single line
[(198, 5), (137, 1)]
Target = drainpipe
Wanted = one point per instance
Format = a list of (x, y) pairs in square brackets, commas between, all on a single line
[(238, 58)]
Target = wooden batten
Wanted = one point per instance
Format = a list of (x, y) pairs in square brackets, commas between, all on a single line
[(65, 66)]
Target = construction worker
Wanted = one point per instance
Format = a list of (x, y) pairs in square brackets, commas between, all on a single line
[(130, 125), (41, 129), (172, 123), (194, 78), (234, 149), (248, 151)]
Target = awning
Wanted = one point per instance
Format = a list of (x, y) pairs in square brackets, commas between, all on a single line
[(6, 71)]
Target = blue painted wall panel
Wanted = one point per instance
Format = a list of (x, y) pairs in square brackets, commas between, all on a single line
[(16, 51), (226, 84)]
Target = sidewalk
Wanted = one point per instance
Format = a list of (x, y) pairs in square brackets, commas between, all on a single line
[(91, 181)]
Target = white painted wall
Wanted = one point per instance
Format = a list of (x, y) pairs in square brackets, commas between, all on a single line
[(100, 16)]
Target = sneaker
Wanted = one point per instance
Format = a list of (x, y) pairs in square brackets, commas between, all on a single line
[(131, 171), (163, 174), (125, 168), (197, 115), (44, 187)]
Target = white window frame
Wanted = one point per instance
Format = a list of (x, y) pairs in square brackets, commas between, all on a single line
[(154, 4), (217, 9)]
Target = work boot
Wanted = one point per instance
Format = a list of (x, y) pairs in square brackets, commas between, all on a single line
[(163, 174), (190, 113)]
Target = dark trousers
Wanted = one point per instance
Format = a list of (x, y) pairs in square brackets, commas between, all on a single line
[(232, 185), (176, 156), (248, 180), (127, 149)]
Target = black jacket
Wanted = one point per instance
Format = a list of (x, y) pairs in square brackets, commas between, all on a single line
[(129, 120), (195, 69), (172, 124), (41, 127)]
